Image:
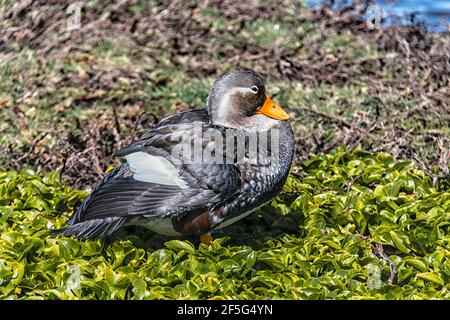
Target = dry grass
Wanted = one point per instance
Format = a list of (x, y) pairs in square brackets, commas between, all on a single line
[(68, 99)]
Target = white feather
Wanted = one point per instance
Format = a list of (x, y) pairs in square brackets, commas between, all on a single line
[(154, 169), (223, 109), (237, 218), (158, 225)]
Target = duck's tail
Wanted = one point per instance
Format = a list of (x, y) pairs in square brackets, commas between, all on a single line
[(95, 228)]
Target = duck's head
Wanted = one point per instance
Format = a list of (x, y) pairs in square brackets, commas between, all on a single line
[(238, 99)]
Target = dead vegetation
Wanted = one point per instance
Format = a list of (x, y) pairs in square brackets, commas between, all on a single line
[(70, 98)]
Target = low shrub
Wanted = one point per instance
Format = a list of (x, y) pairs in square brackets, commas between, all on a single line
[(346, 226)]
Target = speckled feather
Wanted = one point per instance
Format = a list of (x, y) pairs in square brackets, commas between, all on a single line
[(214, 192)]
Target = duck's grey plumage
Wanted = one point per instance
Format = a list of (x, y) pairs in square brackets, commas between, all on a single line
[(118, 195), (211, 194)]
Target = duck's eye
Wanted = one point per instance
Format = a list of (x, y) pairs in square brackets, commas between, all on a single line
[(254, 89)]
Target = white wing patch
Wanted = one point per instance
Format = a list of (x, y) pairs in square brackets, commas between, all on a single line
[(154, 169), (158, 225), (237, 218)]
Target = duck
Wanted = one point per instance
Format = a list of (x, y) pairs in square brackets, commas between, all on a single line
[(196, 171)]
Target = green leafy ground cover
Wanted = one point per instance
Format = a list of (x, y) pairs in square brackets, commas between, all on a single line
[(342, 219)]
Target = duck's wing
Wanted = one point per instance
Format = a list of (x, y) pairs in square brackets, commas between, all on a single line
[(152, 184), (160, 139)]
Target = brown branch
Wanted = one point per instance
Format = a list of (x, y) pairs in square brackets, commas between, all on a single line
[(379, 251), (35, 141), (328, 116)]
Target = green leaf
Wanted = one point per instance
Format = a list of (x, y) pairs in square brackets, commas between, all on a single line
[(398, 242), (416, 263), (178, 245), (229, 265), (139, 287), (432, 276)]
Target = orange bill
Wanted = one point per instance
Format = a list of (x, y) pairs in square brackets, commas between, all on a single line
[(272, 110)]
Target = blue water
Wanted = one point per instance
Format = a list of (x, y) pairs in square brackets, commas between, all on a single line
[(434, 13)]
